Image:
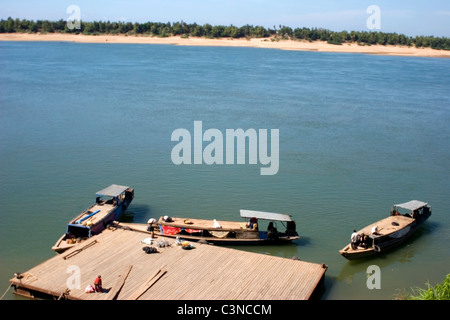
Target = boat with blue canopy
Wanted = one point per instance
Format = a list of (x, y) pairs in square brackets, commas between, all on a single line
[(109, 205)]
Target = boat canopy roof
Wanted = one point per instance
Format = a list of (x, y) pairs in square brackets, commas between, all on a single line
[(411, 205), (113, 190), (265, 215)]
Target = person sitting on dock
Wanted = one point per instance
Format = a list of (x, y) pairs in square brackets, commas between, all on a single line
[(98, 284)]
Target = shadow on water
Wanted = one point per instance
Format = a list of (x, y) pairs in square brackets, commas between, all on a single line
[(137, 213), (303, 241), (322, 288), (427, 228)]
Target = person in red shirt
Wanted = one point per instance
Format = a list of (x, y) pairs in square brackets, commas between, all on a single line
[(98, 284)]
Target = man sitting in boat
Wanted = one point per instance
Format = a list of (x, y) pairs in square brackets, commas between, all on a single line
[(354, 240), (70, 238), (272, 232), (375, 231), (253, 224), (364, 241)]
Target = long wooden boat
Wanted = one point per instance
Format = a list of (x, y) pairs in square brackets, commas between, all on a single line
[(389, 232), (230, 232), (109, 205)]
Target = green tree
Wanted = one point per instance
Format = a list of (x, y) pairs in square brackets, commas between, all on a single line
[(217, 31), (137, 28), (335, 38), (88, 28), (207, 28), (197, 31), (245, 30), (32, 28), (235, 32), (259, 32), (285, 32), (9, 25), (46, 26), (177, 29)]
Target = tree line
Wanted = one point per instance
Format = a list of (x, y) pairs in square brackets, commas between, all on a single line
[(207, 30)]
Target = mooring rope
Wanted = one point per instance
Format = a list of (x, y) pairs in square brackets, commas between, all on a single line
[(5, 292)]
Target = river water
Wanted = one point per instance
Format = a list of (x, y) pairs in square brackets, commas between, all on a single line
[(357, 134)]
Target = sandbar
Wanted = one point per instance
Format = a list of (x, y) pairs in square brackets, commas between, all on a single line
[(319, 46)]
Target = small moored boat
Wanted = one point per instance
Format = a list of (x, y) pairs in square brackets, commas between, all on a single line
[(389, 232), (109, 205), (230, 232)]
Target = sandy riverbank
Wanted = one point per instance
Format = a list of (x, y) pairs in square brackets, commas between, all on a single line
[(255, 42)]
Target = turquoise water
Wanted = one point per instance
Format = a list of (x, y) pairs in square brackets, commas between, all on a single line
[(357, 133)]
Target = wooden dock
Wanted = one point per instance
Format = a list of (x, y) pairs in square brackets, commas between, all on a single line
[(205, 272)]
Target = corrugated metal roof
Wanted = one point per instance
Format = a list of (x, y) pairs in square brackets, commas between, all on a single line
[(411, 205), (112, 191), (265, 215)]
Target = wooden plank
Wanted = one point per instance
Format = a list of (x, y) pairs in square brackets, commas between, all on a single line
[(112, 295), (159, 274), (75, 252)]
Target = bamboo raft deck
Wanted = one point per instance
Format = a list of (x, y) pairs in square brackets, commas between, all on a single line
[(205, 272)]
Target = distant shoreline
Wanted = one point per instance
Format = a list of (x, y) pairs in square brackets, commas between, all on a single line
[(319, 46)]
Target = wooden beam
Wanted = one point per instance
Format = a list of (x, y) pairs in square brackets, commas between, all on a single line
[(114, 293), (73, 253), (147, 285)]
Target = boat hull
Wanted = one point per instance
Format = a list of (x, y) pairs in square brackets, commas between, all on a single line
[(232, 241), (229, 232), (350, 254)]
